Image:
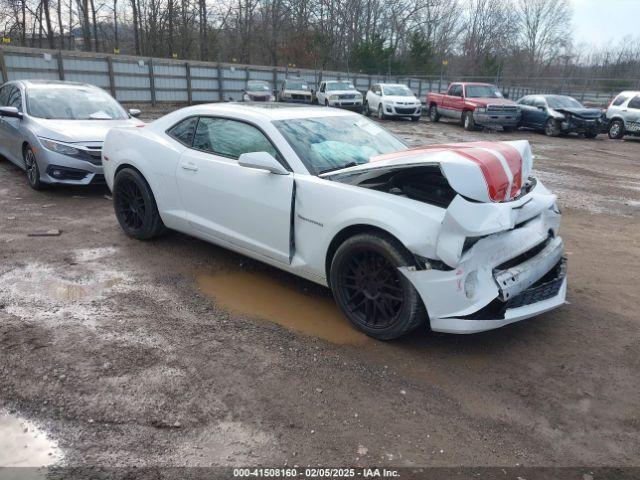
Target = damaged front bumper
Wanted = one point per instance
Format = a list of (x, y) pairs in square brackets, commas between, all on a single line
[(502, 277)]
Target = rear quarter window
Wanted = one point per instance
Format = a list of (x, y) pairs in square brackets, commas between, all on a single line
[(183, 131)]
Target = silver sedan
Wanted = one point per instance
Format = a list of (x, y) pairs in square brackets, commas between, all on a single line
[(54, 130)]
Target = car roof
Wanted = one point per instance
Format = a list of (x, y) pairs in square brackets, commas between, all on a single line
[(58, 83), (268, 111), (392, 84)]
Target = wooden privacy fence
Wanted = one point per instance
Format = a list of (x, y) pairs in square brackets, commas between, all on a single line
[(154, 80)]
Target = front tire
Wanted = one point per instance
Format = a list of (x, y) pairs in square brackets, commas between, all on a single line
[(135, 206), (434, 116), (31, 169), (468, 122), (370, 290), (381, 115), (616, 130), (551, 128)]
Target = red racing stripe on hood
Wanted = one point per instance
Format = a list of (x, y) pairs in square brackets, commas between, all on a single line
[(514, 160), (479, 153)]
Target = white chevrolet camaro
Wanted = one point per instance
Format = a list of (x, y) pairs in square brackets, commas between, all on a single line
[(459, 237)]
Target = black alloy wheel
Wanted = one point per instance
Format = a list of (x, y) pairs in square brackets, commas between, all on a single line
[(135, 206), (370, 289)]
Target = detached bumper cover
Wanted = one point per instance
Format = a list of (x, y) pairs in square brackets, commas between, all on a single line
[(503, 278)]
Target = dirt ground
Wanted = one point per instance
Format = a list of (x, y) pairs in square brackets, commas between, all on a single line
[(177, 352)]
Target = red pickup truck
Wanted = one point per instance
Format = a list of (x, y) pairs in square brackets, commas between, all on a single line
[(474, 104)]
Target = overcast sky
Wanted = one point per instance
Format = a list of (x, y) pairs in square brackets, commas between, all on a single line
[(598, 21)]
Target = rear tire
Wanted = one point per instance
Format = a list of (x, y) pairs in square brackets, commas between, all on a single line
[(370, 290), (468, 122), (616, 130), (31, 168), (135, 206), (434, 116)]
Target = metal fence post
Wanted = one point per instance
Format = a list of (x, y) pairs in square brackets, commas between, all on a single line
[(220, 86), (187, 67), (112, 83), (274, 74), (3, 67), (60, 65), (152, 83)]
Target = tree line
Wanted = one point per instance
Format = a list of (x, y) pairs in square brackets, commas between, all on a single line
[(492, 38)]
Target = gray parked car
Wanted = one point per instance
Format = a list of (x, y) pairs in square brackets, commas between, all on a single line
[(54, 130), (623, 115)]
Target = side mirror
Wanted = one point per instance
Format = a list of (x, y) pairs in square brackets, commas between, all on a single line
[(262, 161), (134, 112), (12, 112)]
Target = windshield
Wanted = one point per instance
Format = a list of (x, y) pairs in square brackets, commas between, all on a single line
[(563, 102), (330, 143), (258, 86), (340, 86), (78, 103), (397, 90), (297, 85), (483, 91)]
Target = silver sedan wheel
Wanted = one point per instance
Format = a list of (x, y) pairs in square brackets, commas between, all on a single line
[(33, 174)]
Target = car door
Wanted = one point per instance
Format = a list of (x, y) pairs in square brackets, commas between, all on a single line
[(322, 93), (453, 101), (539, 112), (526, 112), (632, 115), (245, 207), (10, 138)]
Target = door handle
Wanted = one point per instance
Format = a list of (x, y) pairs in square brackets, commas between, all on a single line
[(190, 166)]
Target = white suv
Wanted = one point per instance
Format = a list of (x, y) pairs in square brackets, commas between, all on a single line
[(339, 93), (623, 115), (392, 100)]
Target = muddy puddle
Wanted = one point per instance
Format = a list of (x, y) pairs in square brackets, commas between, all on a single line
[(22, 444), (260, 296)]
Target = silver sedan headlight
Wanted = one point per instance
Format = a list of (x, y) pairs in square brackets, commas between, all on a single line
[(59, 147)]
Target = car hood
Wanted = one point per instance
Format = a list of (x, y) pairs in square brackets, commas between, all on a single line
[(480, 171), (399, 98), (581, 112), (77, 131), (297, 92), (343, 92), (490, 101)]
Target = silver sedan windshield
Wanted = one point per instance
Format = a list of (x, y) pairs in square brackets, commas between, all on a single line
[(73, 103)]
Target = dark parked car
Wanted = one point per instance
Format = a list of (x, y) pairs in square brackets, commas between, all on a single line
[(558, 114)]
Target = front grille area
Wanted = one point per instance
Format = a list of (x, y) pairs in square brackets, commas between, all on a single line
[(298, 96), (524, 256), (405, 111), (502, 108), (93, 155), (346, 97)]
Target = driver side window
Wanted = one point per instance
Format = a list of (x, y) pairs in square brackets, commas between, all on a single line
[(15, 98), (4, 95), (230, 138)]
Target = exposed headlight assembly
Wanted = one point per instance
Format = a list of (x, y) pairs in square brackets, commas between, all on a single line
[(59, 147)]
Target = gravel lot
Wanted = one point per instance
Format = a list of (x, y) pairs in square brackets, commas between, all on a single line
[(177, 352)]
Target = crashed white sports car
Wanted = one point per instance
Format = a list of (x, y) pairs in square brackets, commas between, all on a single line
[(459, 236)]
